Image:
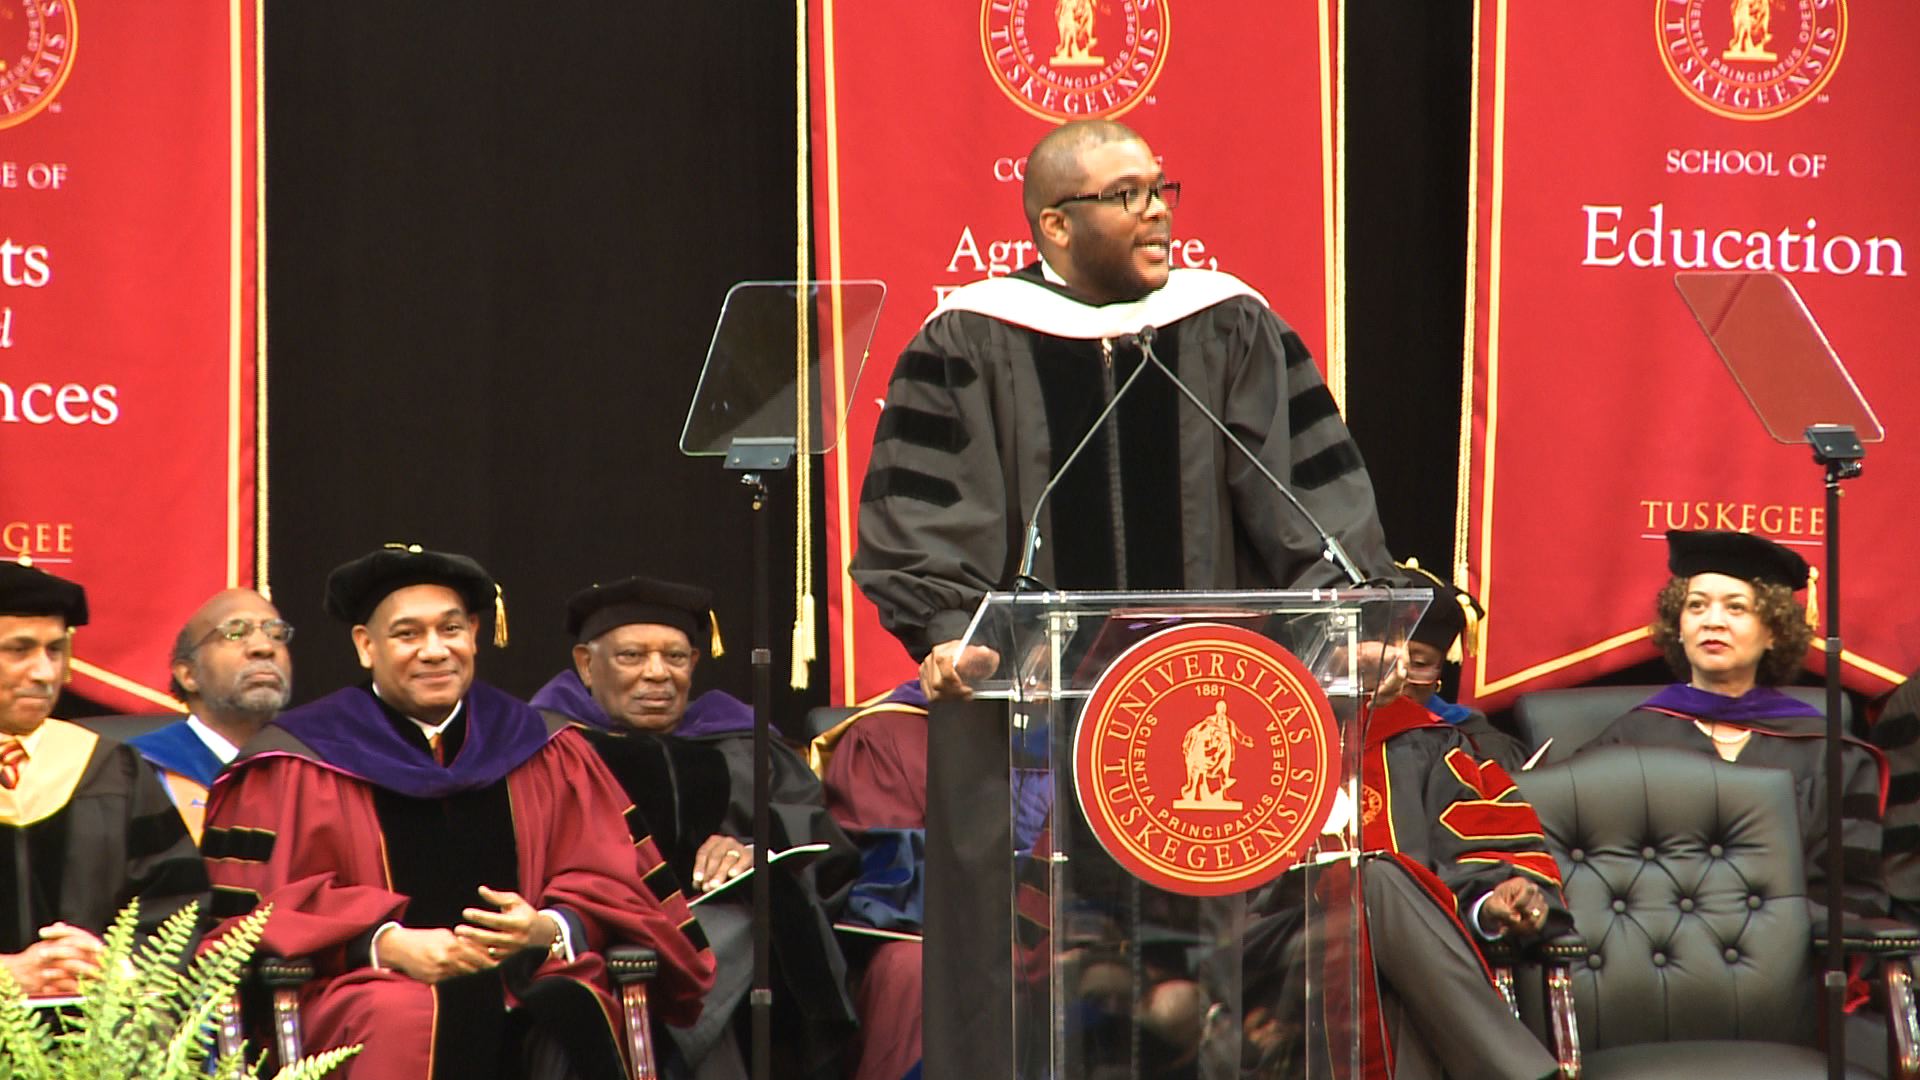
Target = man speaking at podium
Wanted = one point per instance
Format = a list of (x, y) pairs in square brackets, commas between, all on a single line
[(1008, 380)]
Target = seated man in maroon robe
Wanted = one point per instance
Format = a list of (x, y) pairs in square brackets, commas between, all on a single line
[(876, 781), (454, 864)]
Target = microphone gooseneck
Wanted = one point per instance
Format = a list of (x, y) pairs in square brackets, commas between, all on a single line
[(1330, 547)]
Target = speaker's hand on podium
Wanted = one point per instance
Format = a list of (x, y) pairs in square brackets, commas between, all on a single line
[(1384, 669), (948, 672)]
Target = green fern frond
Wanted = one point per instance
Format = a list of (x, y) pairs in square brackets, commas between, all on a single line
[(141, 1017), (316, 1065), (24, 1039), (100, 1035), (207, 986)]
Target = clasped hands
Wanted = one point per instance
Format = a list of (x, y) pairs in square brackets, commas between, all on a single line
[(490, 937), (52, 966)]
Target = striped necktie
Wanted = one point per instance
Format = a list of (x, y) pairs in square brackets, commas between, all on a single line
[(12, 756), (433, 744)]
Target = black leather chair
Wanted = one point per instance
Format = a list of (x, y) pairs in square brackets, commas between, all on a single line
[(1573, 718), (1693, 954)]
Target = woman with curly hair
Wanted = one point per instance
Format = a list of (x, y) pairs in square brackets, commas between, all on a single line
[(1731, 628)]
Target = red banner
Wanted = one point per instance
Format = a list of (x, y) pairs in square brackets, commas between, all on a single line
[(922, 116), (1610, 153), (128, 265)]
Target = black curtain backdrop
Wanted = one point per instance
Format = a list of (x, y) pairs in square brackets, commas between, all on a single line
[(498, 237)]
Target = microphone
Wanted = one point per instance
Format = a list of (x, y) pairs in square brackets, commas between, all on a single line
[(1330, 547), (1023, 578)]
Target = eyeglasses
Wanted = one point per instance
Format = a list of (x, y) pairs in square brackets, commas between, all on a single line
[(278, 631), (1134, 198)]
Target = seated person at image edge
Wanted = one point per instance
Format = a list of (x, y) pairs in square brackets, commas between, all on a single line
[(1897, 735), (86, 825), (453, 864), (231, 667), (1729, 624), (689, 771)]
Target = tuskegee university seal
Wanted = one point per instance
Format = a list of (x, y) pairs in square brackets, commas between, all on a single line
[(1207, 759)]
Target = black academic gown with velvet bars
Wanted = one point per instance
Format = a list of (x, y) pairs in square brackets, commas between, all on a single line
[(686, 789), (985, 405), (1897, 735), (115, 837)]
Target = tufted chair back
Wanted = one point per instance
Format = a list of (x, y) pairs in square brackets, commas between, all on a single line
[(1684, 876)]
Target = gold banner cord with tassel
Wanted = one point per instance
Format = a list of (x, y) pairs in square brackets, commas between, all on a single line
[(803, 648)]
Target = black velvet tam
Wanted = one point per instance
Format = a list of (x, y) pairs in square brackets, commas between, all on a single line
[(27, 591), (1735, 554), (599, 608), (356, 588)]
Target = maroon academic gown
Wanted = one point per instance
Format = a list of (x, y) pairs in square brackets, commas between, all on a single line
[(877, 778), (299, 823)]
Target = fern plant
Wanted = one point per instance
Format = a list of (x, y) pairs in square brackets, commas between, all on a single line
[(143, 1016)]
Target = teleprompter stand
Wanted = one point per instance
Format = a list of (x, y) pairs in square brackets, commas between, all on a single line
[(785, 358), (1802, 394)]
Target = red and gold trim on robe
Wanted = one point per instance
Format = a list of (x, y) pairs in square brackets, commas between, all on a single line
[(1490, 819)]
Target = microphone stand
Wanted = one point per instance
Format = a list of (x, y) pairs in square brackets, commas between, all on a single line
[(1330, 547)]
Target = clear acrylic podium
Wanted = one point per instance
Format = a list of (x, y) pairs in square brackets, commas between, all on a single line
[(1115, 975)]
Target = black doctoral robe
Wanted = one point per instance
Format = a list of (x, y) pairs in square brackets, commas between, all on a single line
[(688, 788), (115, 837), (985, 406), (1897, 735), (1797, 745)]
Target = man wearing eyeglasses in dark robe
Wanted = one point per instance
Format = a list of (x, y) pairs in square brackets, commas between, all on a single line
[(231, 667), (84, 825), (986, 405), (688, 767)]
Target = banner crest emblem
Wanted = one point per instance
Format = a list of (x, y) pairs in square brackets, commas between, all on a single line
[(1751, 59), (1064, 60), (1207, 760), (37, 39)]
